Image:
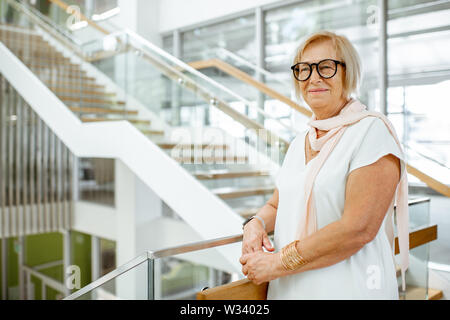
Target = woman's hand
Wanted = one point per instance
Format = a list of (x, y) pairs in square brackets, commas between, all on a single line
[(255, 238), (260, 267)]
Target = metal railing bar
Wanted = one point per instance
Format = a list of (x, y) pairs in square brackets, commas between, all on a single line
[(109, 276), (194, 246)]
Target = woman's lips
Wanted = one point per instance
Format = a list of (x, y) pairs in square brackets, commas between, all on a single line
[(317, 90)]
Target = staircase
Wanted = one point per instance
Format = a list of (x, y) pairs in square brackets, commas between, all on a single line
[(227, 174)]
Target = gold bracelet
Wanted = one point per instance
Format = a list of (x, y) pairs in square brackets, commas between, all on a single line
[(290, 257)]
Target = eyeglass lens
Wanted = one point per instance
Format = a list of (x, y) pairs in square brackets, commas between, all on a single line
[(326, 69)]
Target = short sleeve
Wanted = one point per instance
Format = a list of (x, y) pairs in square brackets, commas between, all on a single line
[(377, 143)]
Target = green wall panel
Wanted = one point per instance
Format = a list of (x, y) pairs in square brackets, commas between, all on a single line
[(46, 248), (81, 255)]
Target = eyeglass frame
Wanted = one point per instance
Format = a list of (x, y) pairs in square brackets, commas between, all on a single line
[(336, 62)]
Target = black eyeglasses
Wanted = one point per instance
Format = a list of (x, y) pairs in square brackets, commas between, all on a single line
[(326, 69)]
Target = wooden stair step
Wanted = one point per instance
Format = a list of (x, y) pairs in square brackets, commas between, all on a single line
[(65, 76), (59, 72), (211, 159), (50, 60), (230, 192), (59, 90), (26, 43), (435, 294), (59, 66), (417, 293), (20, 37), (32, 47), (226, 174), (152, 132), (16, 29), (19, 32), (91, 100), (169, 145), (102, 110), (20, 51), (73, 84), (247, 212), (39, 63), (135, 121)]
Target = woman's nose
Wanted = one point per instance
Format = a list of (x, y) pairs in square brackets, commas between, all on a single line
[(315, 75)]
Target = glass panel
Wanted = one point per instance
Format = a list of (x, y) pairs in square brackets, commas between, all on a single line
[(182, 276), (419, 214), (416, 275), (236, 35), (131, 285)]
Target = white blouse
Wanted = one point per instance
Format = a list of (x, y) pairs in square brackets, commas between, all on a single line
[(369, 273)]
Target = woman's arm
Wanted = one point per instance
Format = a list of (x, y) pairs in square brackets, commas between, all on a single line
[(369, 193), (255, 236), (269, 212)]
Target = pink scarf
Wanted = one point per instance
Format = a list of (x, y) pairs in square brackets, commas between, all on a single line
[(351, 113)]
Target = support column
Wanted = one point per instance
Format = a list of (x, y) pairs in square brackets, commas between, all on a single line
[(95, 262), (136, 207), (95, 257), (382, 41), (75, 178), (21, 256), (157, 283), (67, 258), (4, 268), (126, 286), (260, 56), (175, 89)]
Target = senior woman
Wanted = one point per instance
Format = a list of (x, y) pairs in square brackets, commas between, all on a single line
[(331, 211)]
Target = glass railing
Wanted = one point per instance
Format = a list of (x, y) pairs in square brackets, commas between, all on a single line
[(417, 274), (181, 272), (174, 273)]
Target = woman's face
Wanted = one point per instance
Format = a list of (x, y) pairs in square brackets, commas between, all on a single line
[(328, 101)]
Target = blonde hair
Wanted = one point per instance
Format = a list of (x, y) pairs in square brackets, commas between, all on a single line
[(345, 52)]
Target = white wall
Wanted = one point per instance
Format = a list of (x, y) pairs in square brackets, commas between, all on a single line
[(142, 17), (179, 13), (150, 18)]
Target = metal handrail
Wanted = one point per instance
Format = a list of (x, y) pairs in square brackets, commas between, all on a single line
[(152, 255)]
